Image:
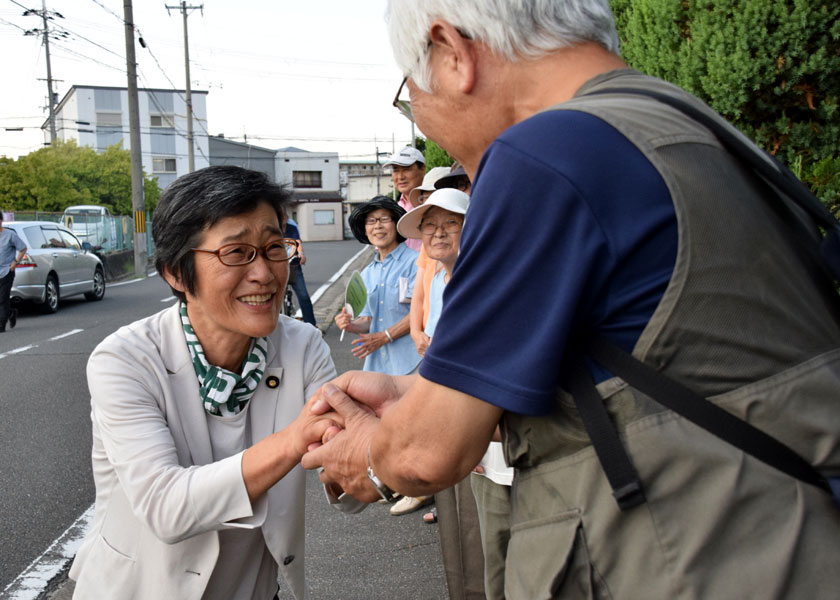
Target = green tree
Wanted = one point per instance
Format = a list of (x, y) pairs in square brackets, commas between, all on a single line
[(772, 67), (64, 174), (434, 154)]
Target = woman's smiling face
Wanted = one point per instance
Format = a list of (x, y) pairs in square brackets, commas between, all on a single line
[(233, 304), (381, 235)]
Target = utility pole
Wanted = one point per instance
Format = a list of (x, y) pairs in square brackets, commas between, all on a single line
[(45, 16), (138, 203), (50, 97), (184, 12)]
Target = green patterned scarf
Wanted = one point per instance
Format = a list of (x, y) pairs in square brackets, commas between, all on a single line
[(223, 392)]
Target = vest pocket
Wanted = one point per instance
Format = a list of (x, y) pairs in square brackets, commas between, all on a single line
[(548, 558)]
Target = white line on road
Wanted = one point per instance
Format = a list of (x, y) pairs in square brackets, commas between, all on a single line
[(137, 280), (320, 292), (68, 334), (170, 298), (31, 583), (31, 346), (18, 350)]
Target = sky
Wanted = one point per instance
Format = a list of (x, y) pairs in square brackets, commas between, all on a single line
[(314, 74)]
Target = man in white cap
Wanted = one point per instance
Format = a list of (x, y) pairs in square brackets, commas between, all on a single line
[(408, 168)]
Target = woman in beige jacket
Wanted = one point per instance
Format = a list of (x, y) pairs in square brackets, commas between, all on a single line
[(196, 411)]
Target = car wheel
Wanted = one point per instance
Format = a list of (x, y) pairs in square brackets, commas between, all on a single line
[(51, 295), (98, 291)]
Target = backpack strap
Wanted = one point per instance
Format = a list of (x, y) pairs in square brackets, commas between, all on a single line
[(682, 401), (763, 163)]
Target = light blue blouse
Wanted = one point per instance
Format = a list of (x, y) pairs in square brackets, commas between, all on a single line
[(382, 279), (435, 302)]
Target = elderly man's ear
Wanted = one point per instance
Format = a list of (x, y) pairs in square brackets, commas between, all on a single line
[(454, 55)]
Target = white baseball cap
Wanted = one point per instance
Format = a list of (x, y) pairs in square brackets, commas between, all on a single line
[(406, 157), (448, 199)]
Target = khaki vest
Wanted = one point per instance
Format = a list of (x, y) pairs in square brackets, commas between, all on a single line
[(754, 326)]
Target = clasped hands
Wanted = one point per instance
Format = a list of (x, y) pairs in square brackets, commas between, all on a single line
[(346, 414)]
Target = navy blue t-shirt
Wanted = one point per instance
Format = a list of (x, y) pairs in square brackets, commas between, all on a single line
[(570, 228)]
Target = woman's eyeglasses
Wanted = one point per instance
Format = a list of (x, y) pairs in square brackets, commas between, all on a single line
[(236, 255), (374, 220), (449, 226)]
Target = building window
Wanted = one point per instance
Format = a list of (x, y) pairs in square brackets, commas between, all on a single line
[(306, 179), (161, 121), (109, 119), (324, 217), (163, 165)]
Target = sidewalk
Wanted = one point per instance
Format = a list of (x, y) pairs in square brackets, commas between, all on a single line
[(371, 555)]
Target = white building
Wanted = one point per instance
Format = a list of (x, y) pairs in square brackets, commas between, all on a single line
[(313, 178), (98, 117)]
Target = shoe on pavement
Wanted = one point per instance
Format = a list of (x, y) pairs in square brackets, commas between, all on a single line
[(409, 504), (13, 319)]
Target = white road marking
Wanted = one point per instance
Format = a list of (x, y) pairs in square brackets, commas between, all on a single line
[(320, 291), (68, 334), (138, 280), (18, 350), (31, 583), (31, 346), (170, 298)]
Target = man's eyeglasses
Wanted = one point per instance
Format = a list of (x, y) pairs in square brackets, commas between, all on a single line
[(404, 106), (449, 226), (374, 220), (236, 255)]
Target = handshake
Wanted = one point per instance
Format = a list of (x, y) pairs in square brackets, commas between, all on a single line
[(336, 426)]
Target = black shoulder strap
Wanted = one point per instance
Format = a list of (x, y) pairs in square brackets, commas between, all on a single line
[(703, 413), (763, 163)]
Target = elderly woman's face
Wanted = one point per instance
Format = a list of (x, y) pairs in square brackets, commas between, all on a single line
[(239, 301), (441, 230), (382, 234)]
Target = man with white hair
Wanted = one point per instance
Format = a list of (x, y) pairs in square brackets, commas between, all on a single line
[(605, 219)]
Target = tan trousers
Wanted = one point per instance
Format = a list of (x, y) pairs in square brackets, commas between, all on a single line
[(460, 542)]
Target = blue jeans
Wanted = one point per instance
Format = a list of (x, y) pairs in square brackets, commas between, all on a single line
[(299, 286)]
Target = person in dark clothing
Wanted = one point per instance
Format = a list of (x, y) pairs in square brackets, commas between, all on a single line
[(296, 274)]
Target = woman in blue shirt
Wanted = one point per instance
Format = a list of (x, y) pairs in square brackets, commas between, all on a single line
[(383, 325)]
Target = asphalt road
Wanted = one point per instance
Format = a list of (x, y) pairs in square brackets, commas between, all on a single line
[(45, 476)]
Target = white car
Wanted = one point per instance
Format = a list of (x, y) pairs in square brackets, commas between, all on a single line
[(56, 265)]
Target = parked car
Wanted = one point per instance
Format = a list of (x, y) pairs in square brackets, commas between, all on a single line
[(56, 265)]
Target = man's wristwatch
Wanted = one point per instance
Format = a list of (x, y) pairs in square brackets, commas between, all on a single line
[(387, 493)]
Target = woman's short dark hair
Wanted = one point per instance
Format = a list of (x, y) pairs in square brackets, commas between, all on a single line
[(192, 203)]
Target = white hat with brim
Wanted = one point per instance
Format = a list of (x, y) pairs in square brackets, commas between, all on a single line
[(428, 185), (449, 199), (406, 157)]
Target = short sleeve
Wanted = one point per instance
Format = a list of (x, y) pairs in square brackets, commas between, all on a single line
[(570, 230)]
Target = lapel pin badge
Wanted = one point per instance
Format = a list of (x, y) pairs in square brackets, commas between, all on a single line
[(272, 382)]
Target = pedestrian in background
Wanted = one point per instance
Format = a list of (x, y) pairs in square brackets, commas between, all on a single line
[(12, 250), (296, 280), (408, 166)]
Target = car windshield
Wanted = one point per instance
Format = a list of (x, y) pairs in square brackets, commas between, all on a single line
[(84, 216)]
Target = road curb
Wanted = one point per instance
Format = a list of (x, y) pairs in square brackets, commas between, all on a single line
[(328, 305)]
